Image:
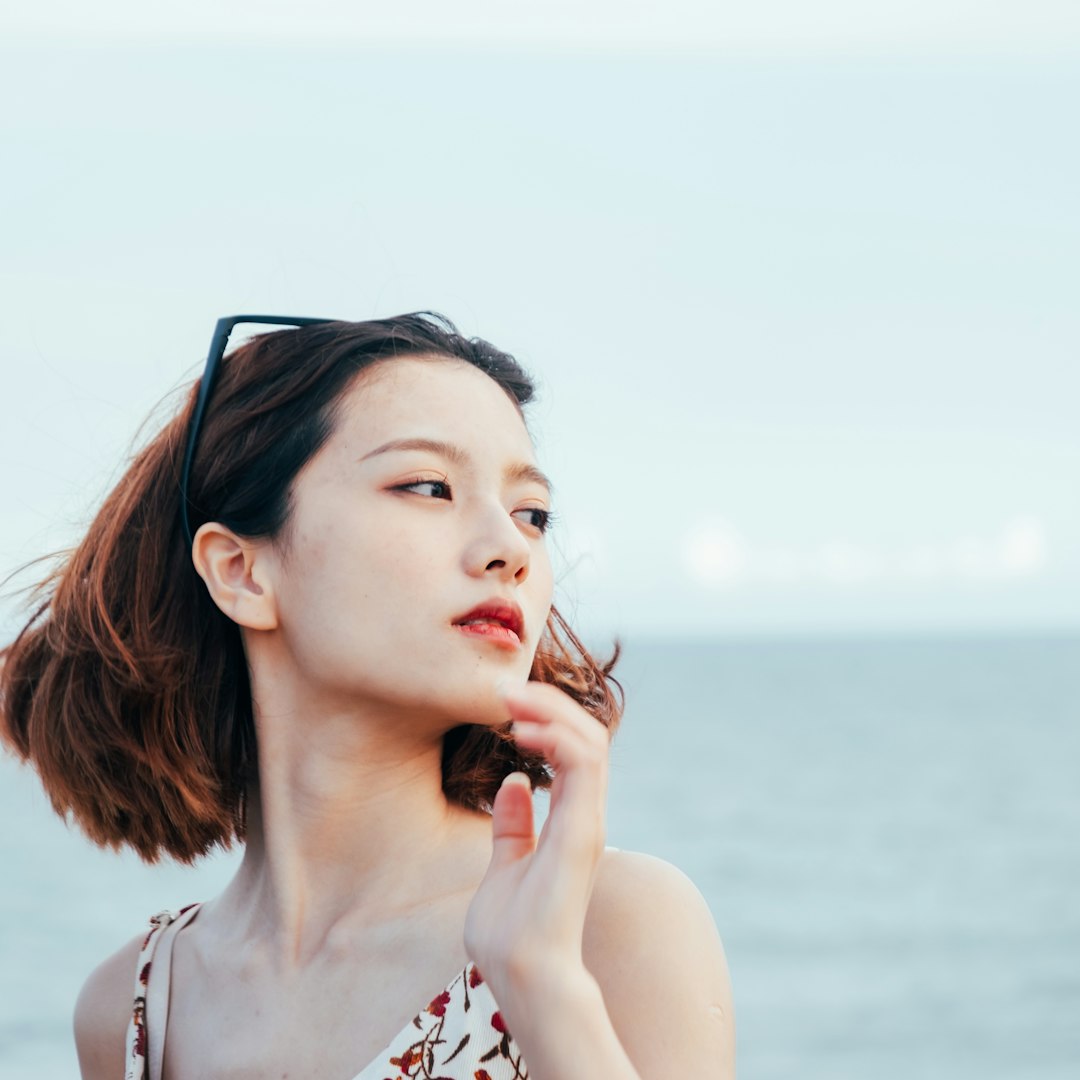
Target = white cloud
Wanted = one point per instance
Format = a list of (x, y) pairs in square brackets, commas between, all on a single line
[(1018, 550), (1022, 546), (716, 554)]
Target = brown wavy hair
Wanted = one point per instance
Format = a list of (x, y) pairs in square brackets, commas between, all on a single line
[(127, 688)]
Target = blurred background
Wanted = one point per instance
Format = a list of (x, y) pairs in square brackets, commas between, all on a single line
[(798, 282)]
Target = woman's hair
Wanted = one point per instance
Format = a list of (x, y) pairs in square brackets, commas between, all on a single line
[(128, 688)]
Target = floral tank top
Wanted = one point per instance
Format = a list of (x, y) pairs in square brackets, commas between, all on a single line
[(458, 1035)]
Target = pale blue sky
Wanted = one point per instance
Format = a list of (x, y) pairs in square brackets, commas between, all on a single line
[(802, 305)]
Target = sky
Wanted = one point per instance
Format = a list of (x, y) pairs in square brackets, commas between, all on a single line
[(769, 26), (798, 282)]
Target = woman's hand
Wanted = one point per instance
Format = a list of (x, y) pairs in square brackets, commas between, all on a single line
[(524, 926), (648, 929)]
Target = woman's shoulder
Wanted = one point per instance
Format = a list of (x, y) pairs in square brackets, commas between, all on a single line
[(103, 1010), (635, 891), (653, 946)]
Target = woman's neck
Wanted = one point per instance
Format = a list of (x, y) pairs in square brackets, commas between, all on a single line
[(347, 808)]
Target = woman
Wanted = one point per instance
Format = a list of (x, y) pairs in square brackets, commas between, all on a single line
[(337, 645)]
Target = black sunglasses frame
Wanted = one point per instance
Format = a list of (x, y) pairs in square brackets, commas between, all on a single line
[(218, 342)]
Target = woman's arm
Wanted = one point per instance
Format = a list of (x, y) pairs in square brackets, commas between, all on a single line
[(102, 1014), (624, 980), (652, 945)]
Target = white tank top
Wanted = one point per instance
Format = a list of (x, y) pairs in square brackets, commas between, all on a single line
[(458, 1035)]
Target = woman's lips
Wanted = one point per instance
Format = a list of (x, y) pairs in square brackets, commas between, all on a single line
[(498, 620), (496, 633)]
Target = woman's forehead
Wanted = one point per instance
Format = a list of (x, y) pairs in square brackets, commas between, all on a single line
[(434, 397)]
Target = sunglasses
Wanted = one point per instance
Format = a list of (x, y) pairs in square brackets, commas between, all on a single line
[(220, 339)]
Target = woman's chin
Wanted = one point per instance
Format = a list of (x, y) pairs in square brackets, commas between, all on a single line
[(483, 705)]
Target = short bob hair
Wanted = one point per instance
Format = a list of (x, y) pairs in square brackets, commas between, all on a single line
[(127, 688)]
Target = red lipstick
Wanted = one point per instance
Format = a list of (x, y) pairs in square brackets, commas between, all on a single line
[(498, 621)]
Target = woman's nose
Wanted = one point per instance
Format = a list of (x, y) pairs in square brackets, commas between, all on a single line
[(499, 548)]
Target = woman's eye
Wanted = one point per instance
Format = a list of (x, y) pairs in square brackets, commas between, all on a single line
[(537, 517), (435, 489)]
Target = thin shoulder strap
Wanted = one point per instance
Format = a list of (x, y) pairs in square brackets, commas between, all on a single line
[(151, 1009)]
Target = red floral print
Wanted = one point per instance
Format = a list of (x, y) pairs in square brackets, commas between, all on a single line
[(407, 1060), (438, 1006)]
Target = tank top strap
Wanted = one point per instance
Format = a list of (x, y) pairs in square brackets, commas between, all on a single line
[(150, 1010)]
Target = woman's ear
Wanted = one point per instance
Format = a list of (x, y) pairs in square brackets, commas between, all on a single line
[(237, 575)]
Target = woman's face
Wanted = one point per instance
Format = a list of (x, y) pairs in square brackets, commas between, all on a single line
[(414, 574)]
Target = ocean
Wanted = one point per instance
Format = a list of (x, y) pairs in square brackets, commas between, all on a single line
[(887, 832)]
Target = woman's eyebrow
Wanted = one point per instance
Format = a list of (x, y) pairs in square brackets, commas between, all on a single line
[(528, 473), (524, 471), (436, 446)]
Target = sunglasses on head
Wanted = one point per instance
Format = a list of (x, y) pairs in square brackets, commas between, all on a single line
[(218, 342)]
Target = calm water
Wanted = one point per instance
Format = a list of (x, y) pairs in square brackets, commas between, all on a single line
[(888, 834)]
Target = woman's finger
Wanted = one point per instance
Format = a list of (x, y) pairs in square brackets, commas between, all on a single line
[(580, 737), (574, 830), (513, 833), (566, 750), (544, 703)]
